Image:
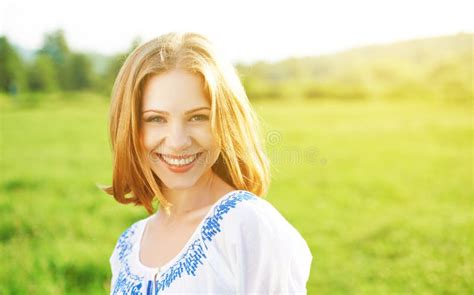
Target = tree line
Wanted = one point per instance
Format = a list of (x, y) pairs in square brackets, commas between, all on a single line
[(55, 67), (438, 67)]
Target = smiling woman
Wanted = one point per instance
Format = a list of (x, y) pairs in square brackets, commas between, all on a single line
[(180, 137), (184, 134)]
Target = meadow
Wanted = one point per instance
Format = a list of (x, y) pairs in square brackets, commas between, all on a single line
[(382, 191)]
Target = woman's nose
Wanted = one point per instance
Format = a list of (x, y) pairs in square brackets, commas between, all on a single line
[(178, 138)]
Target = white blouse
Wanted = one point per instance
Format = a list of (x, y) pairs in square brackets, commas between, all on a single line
[(242, 246)]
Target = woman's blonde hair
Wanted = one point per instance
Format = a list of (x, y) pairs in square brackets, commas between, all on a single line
[(242, 162)]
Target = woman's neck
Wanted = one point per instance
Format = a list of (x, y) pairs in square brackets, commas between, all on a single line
[(207, 190)]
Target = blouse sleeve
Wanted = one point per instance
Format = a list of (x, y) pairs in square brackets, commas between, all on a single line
[(269, 254)]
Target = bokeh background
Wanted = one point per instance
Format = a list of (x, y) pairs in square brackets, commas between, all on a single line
[(367, 112)]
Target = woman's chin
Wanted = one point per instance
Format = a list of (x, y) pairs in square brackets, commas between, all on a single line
[(178, 184)]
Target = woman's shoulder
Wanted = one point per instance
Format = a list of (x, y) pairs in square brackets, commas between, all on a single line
[(252, 213), (255, 209), (256, 226), (132, 228), (242, 206), (128, 235), (267, 252)]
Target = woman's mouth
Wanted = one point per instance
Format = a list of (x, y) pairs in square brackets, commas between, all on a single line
[(179, 164)]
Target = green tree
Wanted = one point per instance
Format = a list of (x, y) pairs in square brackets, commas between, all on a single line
[(80, 73), (12, 70), (56, 47), (42, 74)]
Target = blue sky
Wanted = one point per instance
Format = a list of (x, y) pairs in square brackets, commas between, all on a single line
[(243, 30)]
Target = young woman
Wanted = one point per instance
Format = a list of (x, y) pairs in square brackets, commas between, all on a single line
[(183, 132)]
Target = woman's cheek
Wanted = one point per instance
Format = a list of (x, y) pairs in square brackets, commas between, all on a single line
[(150, 138), (204, 137)]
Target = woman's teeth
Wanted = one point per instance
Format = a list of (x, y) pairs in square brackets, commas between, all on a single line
[(179, 162)]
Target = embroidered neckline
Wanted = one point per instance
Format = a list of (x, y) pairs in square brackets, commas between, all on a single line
[(137, 246), (187, 261)]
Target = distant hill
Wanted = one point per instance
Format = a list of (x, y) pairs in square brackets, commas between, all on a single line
[(438, 67)]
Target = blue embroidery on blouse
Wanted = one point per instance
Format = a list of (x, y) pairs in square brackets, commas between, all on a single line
[(127, 282), (148, 289), (189, 261)]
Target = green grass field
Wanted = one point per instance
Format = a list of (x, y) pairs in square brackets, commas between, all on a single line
[(381, 191)]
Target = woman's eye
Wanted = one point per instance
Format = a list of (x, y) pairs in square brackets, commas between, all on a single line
[(199, 118), (157, 119)]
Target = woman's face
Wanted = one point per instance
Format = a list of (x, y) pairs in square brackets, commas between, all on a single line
[(176, 130)]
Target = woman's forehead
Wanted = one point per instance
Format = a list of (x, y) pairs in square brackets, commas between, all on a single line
[(175, 90)]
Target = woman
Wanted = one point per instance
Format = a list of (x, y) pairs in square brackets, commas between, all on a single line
[(183, 132)]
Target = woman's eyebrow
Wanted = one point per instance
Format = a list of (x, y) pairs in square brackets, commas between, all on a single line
[(187, 112), (197, 109)]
